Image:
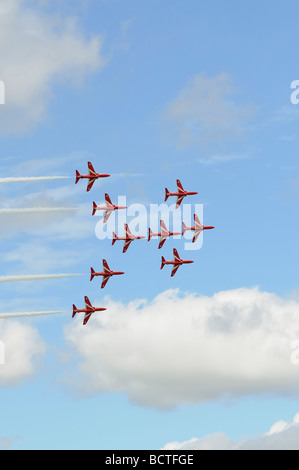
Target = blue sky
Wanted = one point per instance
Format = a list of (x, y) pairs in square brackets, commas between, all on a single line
[(149, 92)]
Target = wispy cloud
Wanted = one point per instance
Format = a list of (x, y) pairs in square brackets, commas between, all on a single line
[(215, 159), (41, 256), (281, 436), (206, 112), (43, 49)]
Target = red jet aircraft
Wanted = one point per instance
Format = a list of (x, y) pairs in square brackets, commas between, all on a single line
[(92, 176), (181, 193), (109, 208), (88, 310), (107, 273), (198, 228), (164, 234), (128, 238), (177, 262)]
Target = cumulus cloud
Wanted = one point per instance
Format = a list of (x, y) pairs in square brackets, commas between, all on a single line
[(206, 112), (38, 51), (281, 436), (186, 349), (20, 349)]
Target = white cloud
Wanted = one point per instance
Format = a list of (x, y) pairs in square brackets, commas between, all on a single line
[(282, 436), (23, 347), (217, 441), (189, 349), (206, 112), (37, 51)]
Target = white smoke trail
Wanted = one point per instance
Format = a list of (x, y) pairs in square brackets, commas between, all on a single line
[(31, 178), (4, 316), (36, 277), (38, 210)]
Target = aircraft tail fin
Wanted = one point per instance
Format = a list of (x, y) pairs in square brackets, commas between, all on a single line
[(150, 233), (162, 262), (77, 176), (166, 194), (94, 208), (74, 311), (92, 273)]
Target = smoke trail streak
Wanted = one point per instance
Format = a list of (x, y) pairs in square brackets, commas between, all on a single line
[(36, 277), (31, 178), (38, 210), (4, 316)]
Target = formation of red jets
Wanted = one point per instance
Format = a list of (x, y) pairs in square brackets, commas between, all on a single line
[(107, 273)]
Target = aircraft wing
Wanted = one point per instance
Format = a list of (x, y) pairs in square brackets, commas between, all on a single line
[(108, 200), (126, 245), (164, 233), (176, 255), (105, 280), (174, 269), (180, 186), (163, 227), (87, 317), (106, 267), (197, 223), (196, 235), (179, 201), (107, 215), (88, 305), (91, 169), (162, 241), (90, 183), (128, 231)]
